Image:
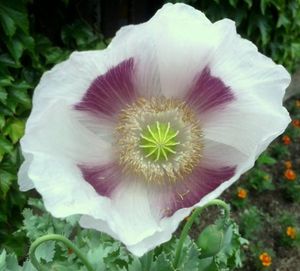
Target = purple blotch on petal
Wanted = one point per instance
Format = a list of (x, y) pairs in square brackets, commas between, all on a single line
[(208, 92), (200, 183), (110, 92), (104, 179)]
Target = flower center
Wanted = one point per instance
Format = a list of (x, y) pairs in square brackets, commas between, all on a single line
[(159, 141)]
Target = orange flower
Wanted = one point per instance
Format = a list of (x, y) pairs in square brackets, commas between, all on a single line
[(296, 123), (288, 164), (265, 258), (286, 140), (298, 103), (290, 175), (291, 232), (242, 193)]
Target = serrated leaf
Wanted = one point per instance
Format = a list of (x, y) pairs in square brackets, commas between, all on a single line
[(2, 261), (45, 251), (162, 263), (65, 266), (27, 266), (12, 263), (96, 257), (206, 264), (135, 265), (15, 130), (190, 257)]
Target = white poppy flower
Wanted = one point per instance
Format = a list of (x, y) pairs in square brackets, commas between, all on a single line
[(164, 120)]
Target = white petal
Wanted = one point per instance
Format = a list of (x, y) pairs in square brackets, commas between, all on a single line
[(183, 42), (54, 146), (131, 218), (137, 42), (58, 132), (23, 180), (257, 116), (134, 222), (69, 80), (63, 189), (245, 125)]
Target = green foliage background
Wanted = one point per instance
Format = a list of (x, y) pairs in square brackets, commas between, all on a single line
[(273, 25)]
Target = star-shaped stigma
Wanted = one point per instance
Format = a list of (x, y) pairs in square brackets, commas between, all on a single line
[(159, 141)]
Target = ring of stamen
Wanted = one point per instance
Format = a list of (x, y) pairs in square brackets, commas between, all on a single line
[(158, 139)]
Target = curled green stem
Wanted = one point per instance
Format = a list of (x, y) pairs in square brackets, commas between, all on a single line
[(60, 238), (190, 222)]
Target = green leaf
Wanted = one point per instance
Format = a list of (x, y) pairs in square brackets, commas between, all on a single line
[(265, 159), (249, 2), (6, 60), (12, 263), (18, 95), (295, 50), (54, 55), (3, 95), (28, 266), (12, 14), (7, 81), (207, 264), (263, 5), (161, 263), (233, 3), (46, 251), (2, 261), (2, 121), (6, 180), (15, 48), (8, 23), (282, 21), (5, 146), (135, 265), (15, 130), (190, 258), (264, 29)]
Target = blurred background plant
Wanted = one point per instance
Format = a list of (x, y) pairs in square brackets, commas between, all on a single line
[(35, 35)]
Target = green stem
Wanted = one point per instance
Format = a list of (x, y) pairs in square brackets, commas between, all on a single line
[(55, 237), (190, 222)]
